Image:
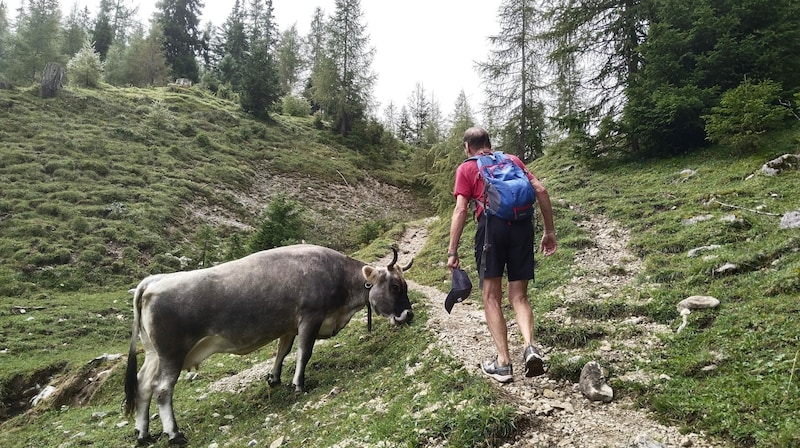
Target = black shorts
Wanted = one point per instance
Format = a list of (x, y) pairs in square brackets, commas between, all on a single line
[(510, 247)]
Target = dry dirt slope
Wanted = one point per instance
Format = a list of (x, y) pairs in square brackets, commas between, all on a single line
[(555, 413)]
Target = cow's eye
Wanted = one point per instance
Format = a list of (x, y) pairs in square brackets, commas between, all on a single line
[(395, 287)]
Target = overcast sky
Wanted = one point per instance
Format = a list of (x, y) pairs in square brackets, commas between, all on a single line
[(433, 42)]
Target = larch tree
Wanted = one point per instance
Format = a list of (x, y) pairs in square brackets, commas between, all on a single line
[(290, 60), (605, 37), (315, 54), (76, 30), (514, 81), (38, 40), (145, 61)]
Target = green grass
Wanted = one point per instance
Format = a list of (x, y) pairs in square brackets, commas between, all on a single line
[(392, 386), (751, 398), (94, 192)]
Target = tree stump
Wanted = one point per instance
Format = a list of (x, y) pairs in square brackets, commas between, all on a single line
[(51, 80)]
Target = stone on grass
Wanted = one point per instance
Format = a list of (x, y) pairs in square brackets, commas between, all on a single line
[(593, 383)]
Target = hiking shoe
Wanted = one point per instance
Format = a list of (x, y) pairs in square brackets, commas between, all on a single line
[(534, 364), (503, 374)]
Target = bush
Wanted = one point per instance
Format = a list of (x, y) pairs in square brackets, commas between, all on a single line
[(295, 106), (85, 68), (745, 113)]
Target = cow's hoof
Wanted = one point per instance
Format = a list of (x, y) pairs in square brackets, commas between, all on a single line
[(298, 389), (145, 441), (179, 439), (272, 381)]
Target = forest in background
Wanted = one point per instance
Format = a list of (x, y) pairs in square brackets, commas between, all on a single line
[(630, 78)]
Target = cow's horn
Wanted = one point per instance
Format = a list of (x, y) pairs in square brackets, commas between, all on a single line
[(394, 258), (408, 266)]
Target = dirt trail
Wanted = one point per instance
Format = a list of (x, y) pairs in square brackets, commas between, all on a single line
[(555, 413)]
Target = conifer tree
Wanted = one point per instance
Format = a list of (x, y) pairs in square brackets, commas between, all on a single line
[(343, 78), (232, 46), (5, 36), (76, 30), (260, 88), (290, 61), (179, 22), (315, 53), (85, 68), (37, 41), (514, 80), (103, 34)]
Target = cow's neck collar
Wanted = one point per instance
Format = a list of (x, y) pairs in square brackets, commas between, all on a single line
[(367, 288)]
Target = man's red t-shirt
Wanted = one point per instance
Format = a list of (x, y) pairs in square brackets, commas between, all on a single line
[(470, 184)]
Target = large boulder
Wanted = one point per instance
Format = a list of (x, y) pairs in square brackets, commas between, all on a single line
[(783, 163)]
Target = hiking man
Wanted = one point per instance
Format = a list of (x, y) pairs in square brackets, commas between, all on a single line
[(510, 247)]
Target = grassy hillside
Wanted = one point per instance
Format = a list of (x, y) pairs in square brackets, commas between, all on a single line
[(99, 188), (733, 371)]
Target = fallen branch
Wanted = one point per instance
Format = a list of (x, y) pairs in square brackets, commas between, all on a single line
[(342, 176), (746, 209)]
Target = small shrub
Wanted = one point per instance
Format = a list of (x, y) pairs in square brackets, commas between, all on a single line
[(159, 115), (295, 106), (281, 225), (85, 68), (370, 231), (744, 114), (203, 141), (80, 224)]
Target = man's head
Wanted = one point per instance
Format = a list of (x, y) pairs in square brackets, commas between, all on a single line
[(476, 139)]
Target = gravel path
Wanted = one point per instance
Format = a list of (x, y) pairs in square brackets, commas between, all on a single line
[(555, 413)]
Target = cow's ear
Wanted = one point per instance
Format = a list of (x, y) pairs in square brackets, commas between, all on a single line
[(371, 274)]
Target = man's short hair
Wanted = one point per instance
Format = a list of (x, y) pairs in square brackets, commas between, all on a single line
[(477, 138)]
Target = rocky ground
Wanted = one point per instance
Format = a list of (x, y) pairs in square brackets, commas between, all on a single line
[(555, 413)]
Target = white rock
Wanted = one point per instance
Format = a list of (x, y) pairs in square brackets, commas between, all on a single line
[(697, 302)]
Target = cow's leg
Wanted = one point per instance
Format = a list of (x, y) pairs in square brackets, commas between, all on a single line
[(305, 344), (146, 378), (164, 389), (284, 347)]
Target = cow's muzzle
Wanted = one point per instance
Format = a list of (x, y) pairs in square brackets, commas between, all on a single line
[(403, 318)]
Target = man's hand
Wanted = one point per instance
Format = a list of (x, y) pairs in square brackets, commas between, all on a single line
[(549, 243)]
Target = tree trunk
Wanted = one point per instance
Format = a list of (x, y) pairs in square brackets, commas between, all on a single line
[(51, 80)]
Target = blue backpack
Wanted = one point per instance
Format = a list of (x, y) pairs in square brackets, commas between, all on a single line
[(508, 194)]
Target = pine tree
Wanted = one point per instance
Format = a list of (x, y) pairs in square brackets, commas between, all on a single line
[(260, 88), (343, 79), (179, 21), (103, 34)]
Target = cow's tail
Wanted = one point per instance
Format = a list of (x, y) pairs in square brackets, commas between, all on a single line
[(131, 378)]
